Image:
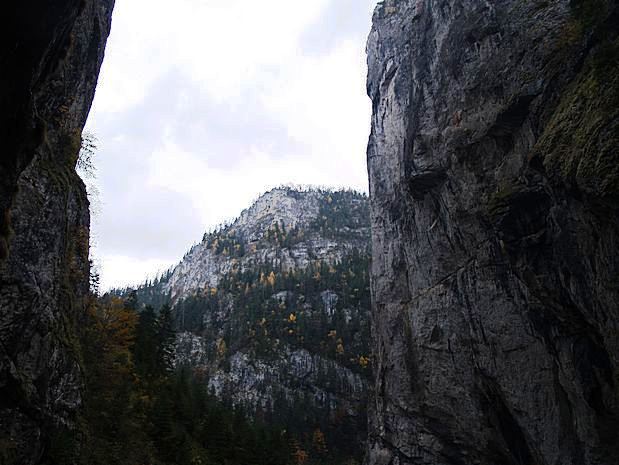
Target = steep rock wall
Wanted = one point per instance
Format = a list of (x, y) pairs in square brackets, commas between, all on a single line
[(493, 164), (50, 55), (293, 381)]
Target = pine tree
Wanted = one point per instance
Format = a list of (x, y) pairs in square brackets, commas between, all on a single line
[(166, 340), (146, 343)]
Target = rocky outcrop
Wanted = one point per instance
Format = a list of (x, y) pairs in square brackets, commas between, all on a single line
[(50, 54), (255, 238), (292, 379), (493, 165)]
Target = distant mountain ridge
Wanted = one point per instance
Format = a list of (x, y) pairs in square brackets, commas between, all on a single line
[(273, 312), (289, 227)]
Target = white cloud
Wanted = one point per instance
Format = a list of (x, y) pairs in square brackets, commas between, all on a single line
[(323, 102), (208, 103), (218, 195), (223, 45), (121, 271)]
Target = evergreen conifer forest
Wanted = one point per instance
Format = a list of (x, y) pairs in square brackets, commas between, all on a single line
[(140, 409)]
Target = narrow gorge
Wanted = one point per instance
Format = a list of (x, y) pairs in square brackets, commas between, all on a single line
[(466, 312)]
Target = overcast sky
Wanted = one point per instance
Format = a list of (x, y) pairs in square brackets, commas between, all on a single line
[(202, 105)]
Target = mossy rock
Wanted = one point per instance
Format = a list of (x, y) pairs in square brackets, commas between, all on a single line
[(588, 13), (498, 202), (70, 144), (580, 144)]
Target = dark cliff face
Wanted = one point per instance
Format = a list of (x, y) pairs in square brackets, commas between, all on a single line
[(50, 55), (494, 188)]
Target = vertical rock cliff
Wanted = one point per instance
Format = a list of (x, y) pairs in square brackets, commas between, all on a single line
[(494, 180), (50, 55)]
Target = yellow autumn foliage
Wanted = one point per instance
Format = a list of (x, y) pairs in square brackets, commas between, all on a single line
[(271, 279), (221, 347)]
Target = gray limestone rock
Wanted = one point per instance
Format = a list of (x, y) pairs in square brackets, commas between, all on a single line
[(204, 266), (293, 377), (493, 183)]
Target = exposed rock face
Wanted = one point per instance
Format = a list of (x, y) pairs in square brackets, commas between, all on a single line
[(50, 55), (292, 212), (295, 377), (493, 165)]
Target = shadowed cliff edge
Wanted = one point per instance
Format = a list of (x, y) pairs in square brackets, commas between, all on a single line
[(50, 55), (493, 164)]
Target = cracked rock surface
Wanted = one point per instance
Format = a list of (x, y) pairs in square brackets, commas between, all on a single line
[(493, 164), (50, 55)]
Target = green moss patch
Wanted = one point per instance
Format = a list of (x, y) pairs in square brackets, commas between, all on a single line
[(588, 13), (580, 144)]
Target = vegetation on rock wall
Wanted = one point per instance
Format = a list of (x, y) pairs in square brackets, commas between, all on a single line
[(273, 308), (580, 144)]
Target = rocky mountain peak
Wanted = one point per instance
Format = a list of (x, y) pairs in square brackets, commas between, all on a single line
[(282, 206), (272, 313), (286, 227)]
